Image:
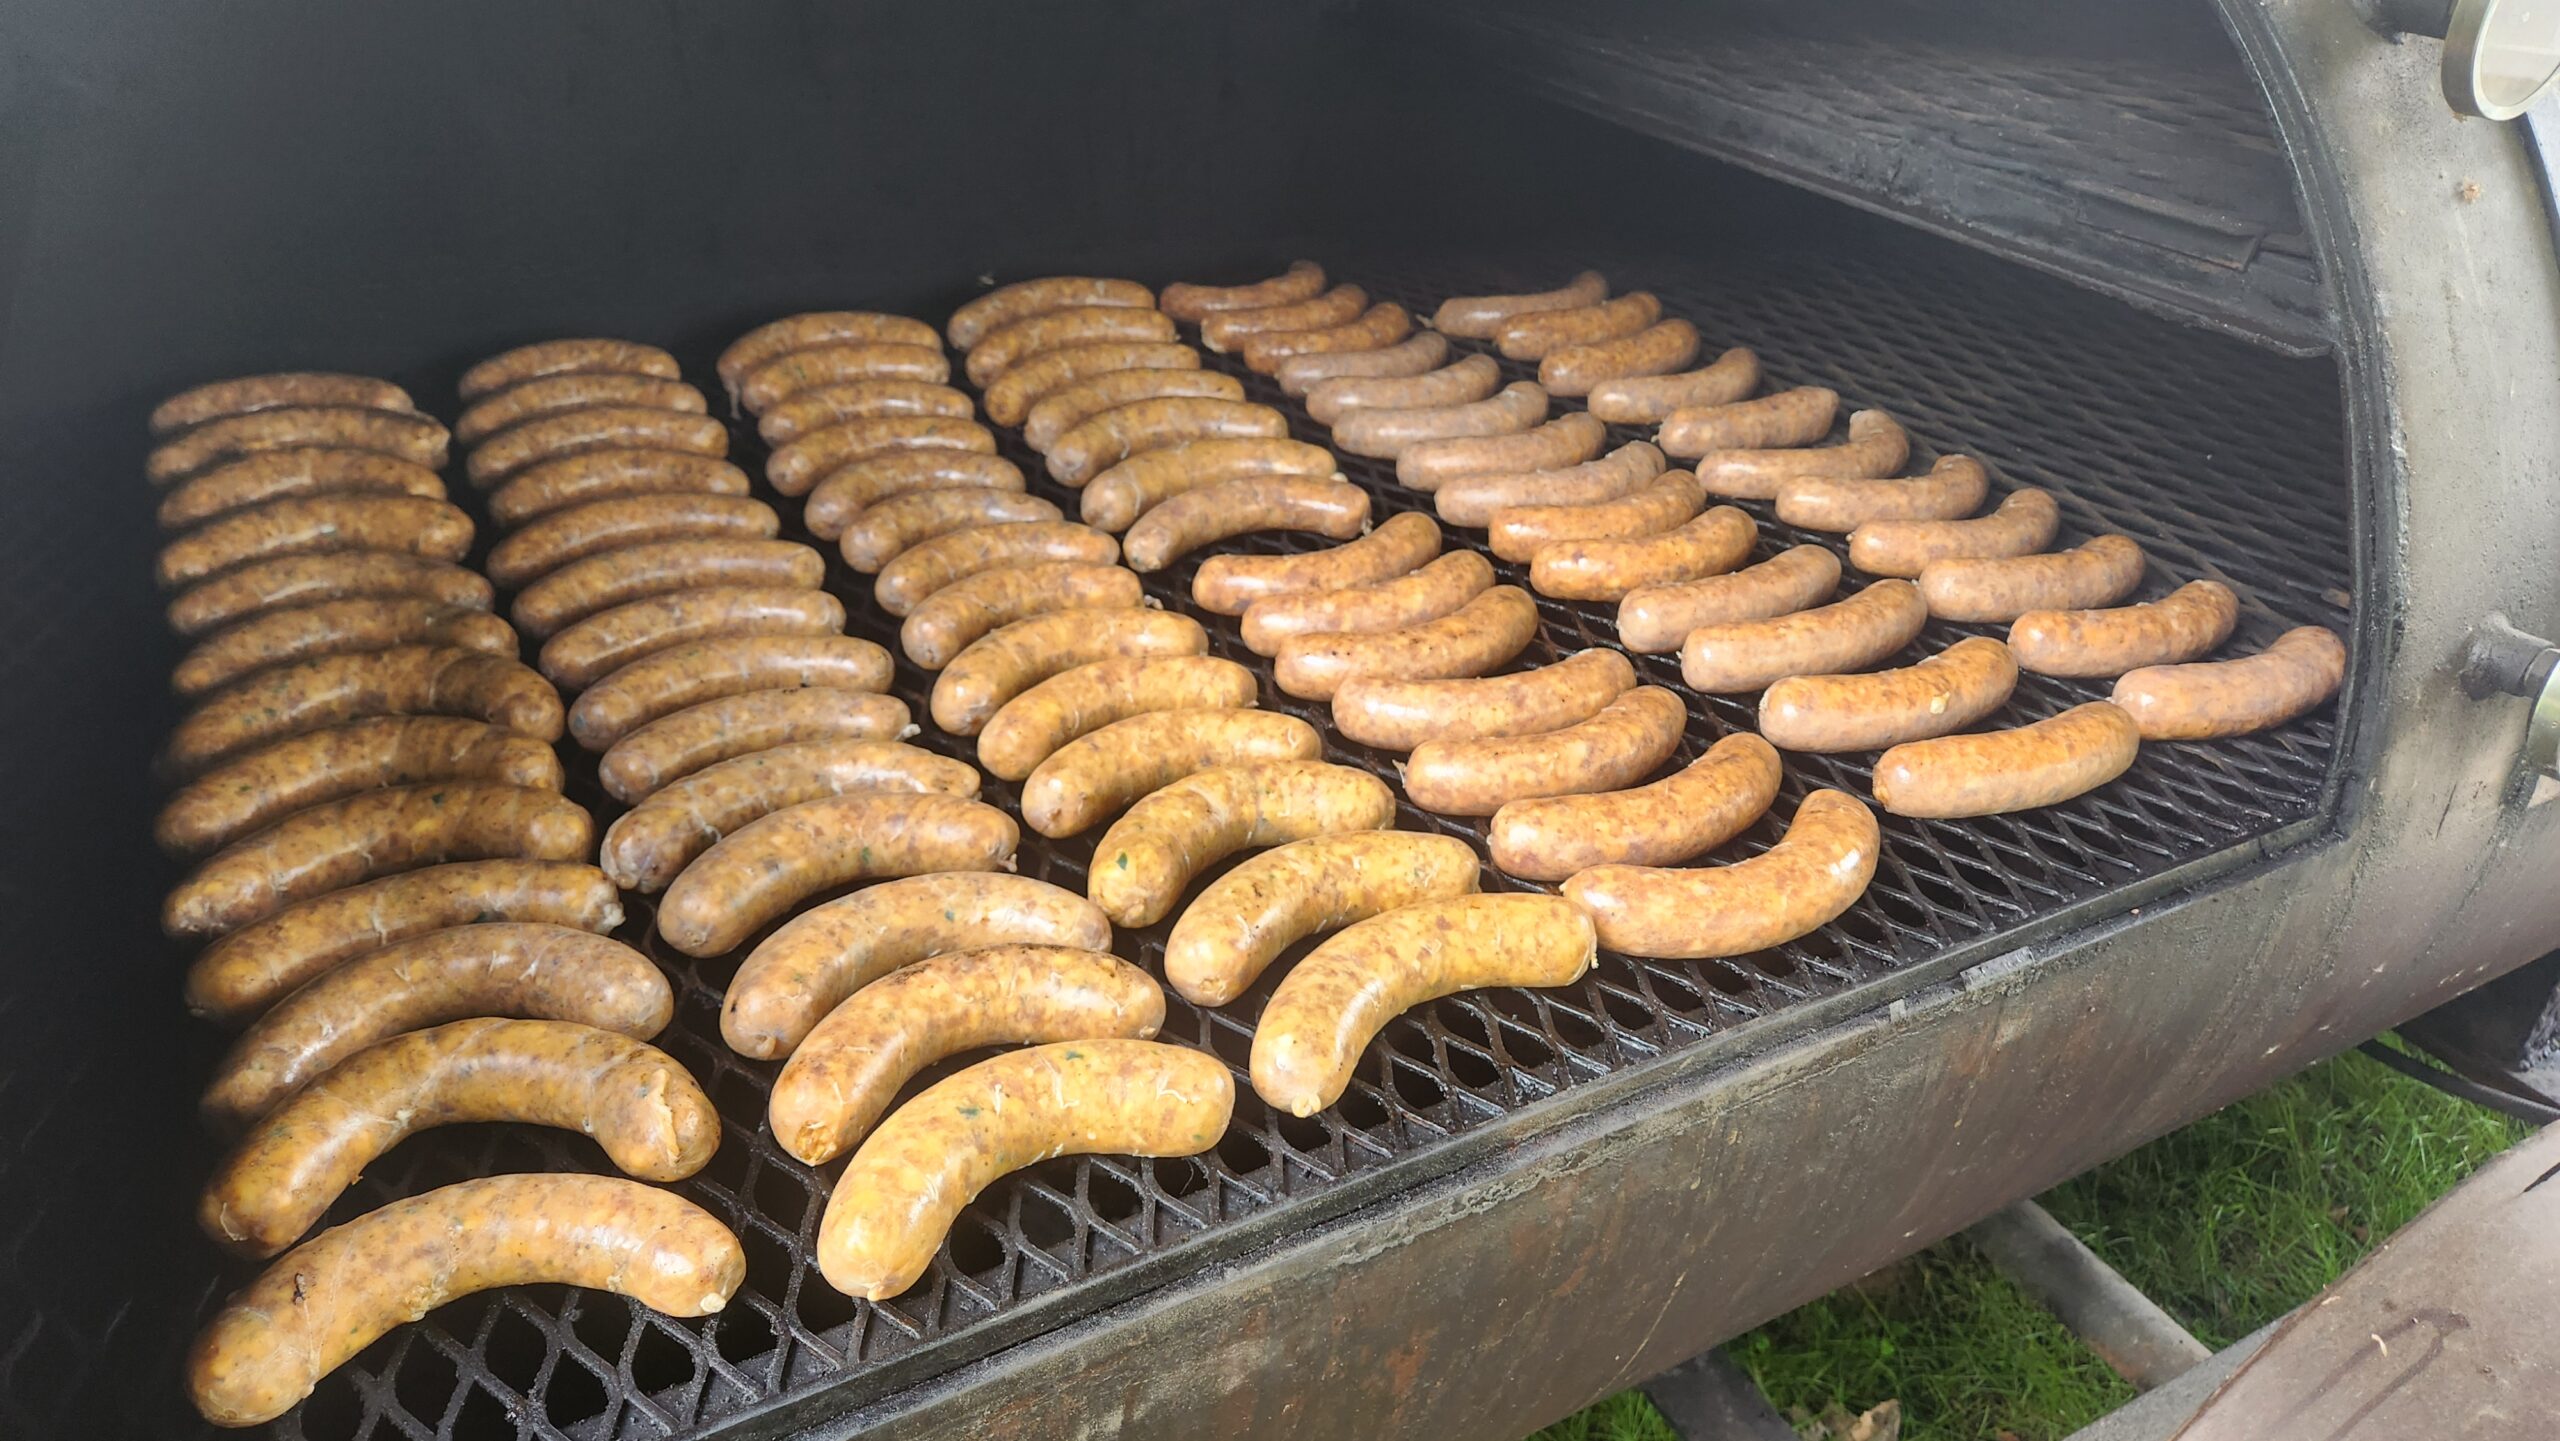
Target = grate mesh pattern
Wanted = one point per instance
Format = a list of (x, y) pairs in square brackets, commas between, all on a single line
[(2222, 461)]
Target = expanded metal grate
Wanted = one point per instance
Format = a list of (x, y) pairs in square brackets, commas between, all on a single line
[(2221, 460)]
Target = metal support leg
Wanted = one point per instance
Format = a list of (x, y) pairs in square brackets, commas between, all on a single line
[(2127, 1330)]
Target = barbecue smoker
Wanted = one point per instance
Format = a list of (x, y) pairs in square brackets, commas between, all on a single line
[(2228, 277)]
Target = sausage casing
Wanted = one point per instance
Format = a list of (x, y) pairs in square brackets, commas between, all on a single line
[(1117, 497), (1655, 350), (1186, 301), (1386, 433), (291, 474), (1230, 584), (597, 526), (1333, 508), (1569, 439), (1656, 618), (1229, 330), (1642, 399), (1797, 886), (1332, 401), (605, 642), (1399, 715), (948, 621), (797, 466), (1991, 773), (1630, 737), (600, 427), (1426, 594), (1102, 772), (1846, 635), (268, 784), (1416, 353), (565, 357), (662, 684), (797, 372), (1469, 641), (401, 524), (405, 434), (305, 695), (1476, 499), (1149, 856), (1953, 488), (1518, 532), (1010, 396), (1011, 659), (1538, 334), (1031, 726), (821, 406), (1791, 417), (879, 534), (1113, 436), (1062, 411), (1938, 696), (1877, 446), (244, 394), (853, 488), (1242, 921), (1007, 346), (594, 475), (674, 746), (2098, 573), (1378, 327), (931, 565), (2023, 524), (2206, 700), (765, 867), (1481, 317), (551, 394), (655, 840), (1687, 813), (817, 327), (1008, 303), (600, 582), (334, 627), (2186, 623), (1606, 568)]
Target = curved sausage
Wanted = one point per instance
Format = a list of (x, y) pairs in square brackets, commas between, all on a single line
[(1229, 330), (404, 434), (594, 475), (1876, 447), (926, 568), (1186, 301), (551, 394), (1150, 856), (1469, 641), (607, 641), (797, 372), (817, 327), (1481, 317), (1426, 594), (1333, 400), (1007, 346), (1062, 411), (1654, 350), (672, 747), (1378, 327), (770, 864), (946, 622), (1518, 532), (1536, 335), (1687, 813), (244, 394), (652, 843), (2211, 699), (806, 969), (1628, 739), (2098, 573), (1009, 398), (849, 490), (1230, 584), (353, 839), (1773, 422), (1656, 618), (2188, 622), (1643, 399), (335, 627), (1335, 509), (1399, 715), (2023, 524), (1029, 728), (797, 466), (565, 357), (334, 1295), (401, 524), (1242, 921), (824, 405), (662, 684), (298, 772), (1103, 771), (1602, 568), (600, 427), (1992, 773), (841, 1081), (1953, 488), (1116, 434), (290, 475), (1796, 887), (600, 582), (1008, 303), (1566, 440), (1115, 499), (1846, 635), (1011, 659), (597, 526), (1416, 353), (306, 695), (1474, 500), (879, 534), (903, 1189), (1386, 433), (646, 1111), (1333, 1003), (1938, 696)]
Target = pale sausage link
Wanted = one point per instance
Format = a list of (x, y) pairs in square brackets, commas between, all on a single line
[(1377, 328), (1953, 488), (953, 618), (1485, 632), (565, 357), (657, 838), (932, 565), (598, 583), (1386, 433), (1804, 882), (597, 526), (1010, 396), (1062, 411), (1540, 334), (1333, 508), (1011, 659), (821, 406), (1100, 773), (616, 474), (603, 427), (675, 746), (1426, 594), (1876, 446), (1031, 726), (1687, 813), (671, 680), (1003, 348), (795, 467), (244, 394), (554, 393), (605, 642), (1114, 435), (1518, 532), (336, 627), (291, 474), (1187, 301), (1604, 568), (1008, 303), (1643, 399), (1229, 330), (1148, 857), (1399, 715), (399, 524), (816, 327), (851, 489), (1656, 618), (1654, 350), (2287, 680), (1994, 772), (297, 772), (405, 434), (1481, 317), (1332, 400), (1475, 499), (1846, 635), (2187, 623), (1791, 417), (1937, 696), (797, 372), (1628, 739), (1230, 584), (2098, 573), (306, 695), (764, 868), (2023, 524), (1118, 496), (1568, 439), (1242, 921), (881, 533), (1411, 356)]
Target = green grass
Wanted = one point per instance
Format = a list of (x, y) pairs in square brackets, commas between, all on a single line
[(2228, 1224)]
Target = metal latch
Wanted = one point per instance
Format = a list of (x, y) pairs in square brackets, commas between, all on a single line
[(2502, 660)]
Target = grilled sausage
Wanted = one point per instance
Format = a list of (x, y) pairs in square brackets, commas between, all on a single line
[(1378, 327), (817, 327), (1011, 659), (796, 467), (1152, 853), (335, 627), (1113, 436), (1386, 433), (673, 747), (2207, 700), (662, 684), (1687, 813), (2189, 622), (1773, 422), (1336, 509), (850, 490), (600, 582), (1953, 487), (1655, 350), (1482, 317), (1118, 496), (1062, 411), (903, 1189), (598, 526), (927, 568), (1007, 346), (946, 622), (565, 357), (1612, 750), (1185, 301), (1008, 303), (1399, 715), (1846, 635), (2023, 524), (1536, 335), (274, 781), (640, 1105), (797, 372), (1009, 398), (1100, 773), (554, 393), (312, 1311), (1518, 532), (605, 642), (805, 969), (1416, 353), (341, 843), (772, 863), (1995, 772), (1230, 584), (1469, 641), (245, 394), (821, 406), (520, 447), (1600, 568), (879, 534), (401, 524), (1333, 400), (292, 475), (1796, 887), (1029, 728), (306, 695), (1474, 500), (1656, 618), (594, 475), (1876, 446), (840, 1082), (2098, 573), (1938, 696), (656, 839), (1643, 399), (1241, 922), (1229, 330), (403, 434), (1566, 440), (1427, 594)]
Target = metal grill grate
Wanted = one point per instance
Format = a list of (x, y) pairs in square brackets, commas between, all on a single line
[(2222, 461)]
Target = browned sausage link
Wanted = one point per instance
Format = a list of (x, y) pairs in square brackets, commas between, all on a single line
[(1094, 776), (1413, 355), (312, 1311), (1010, 397), (850, 490), (1606, 568), (1846, 635), (1229, 330), (1609, 751), (724, 666), (600, 582), (797, 372), (297, 772), (1481, 317), (598, 526), (881, 533), (565, 357), (1475, 499), (290, 474), (2187, 623), (821, 406), (245, 394), (1542, 333), (772, 864), (1876, 446), (1789, 418), (605, 642), (335, 627), (1517, 533), (1011, 659), (340, 843), (1010, 345), (675, 746), (1387, 433), (817, 327), (1380, 326), (401, 434), (947, 621), (1427, 594), (405, 525), (925, 568), (598, 427), (1335, 509), (306, 695), (553, 393), (1185, 301), (595, 475), (1654, 350), (1008, 303), (1332, 401), (1656, 618), (1644, 399), (1230, 584), (799, 465), (2098, 573), (1566, 440), (1953, 487), (2023, 524), (1118, 496), (1687, 813), (248, 970), (658, 838), (1994, 772), (330, 575), (1469, 641), (1064, 410), (1799, 885), (1029, 728), (1399, 715), (2203, 701), (1939, 696), (1116, 434)]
